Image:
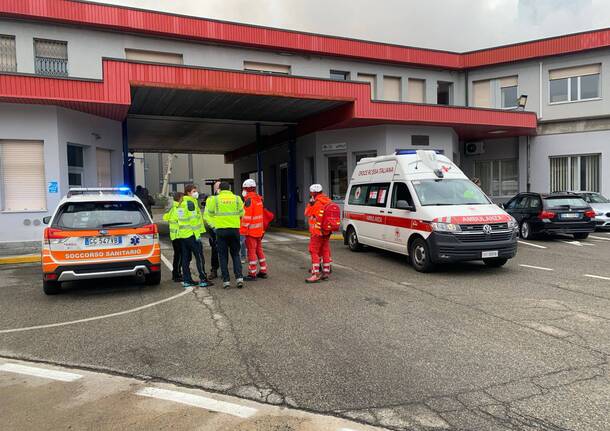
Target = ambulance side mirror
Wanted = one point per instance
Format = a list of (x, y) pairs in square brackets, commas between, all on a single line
[(404, 205), (46, 219), (501, 205)]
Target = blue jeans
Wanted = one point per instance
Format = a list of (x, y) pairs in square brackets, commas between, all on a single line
[(227, 241), (243, 251)]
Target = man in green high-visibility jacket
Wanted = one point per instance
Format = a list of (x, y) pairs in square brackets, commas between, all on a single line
[(223, 212)]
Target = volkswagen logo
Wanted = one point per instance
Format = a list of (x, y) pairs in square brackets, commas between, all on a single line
[(487, 229)]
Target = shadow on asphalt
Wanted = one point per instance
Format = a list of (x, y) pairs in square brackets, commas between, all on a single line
[(105, 286)]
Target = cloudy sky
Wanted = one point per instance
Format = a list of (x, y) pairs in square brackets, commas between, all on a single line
[(457, 25)]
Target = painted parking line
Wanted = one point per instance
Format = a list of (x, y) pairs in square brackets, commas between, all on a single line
[(578, 243), (599, 237), (45, 373), (167, 263), (198, 401), (542, 268), (530, 244), (599, 277)]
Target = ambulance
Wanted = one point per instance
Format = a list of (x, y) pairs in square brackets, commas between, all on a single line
[(99, 233), (420, 204)]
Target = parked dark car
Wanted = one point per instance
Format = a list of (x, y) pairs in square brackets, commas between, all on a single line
[(539, 213)]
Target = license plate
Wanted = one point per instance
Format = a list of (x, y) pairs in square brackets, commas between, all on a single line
[(492, 253), (570, 215), (103, 240)]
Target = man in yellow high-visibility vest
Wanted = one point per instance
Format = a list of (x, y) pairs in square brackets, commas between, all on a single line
[(223, 212)]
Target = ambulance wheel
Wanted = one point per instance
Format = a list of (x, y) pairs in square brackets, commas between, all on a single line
[(352, 240), (50, 287), (153, 278), (420, 255), (495, 262)]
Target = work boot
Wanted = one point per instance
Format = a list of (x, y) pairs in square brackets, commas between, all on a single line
[(250, 277), (315, 277), (262, 275), (213, 274), (226, 284), (324, 276), (240, 283)]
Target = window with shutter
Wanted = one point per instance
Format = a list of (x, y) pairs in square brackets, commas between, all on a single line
[(153, 56), (281, 69), (391, 88), (416, 91), (8, 54), (22, 176), (371, 79), (51, 57), (104, 176)]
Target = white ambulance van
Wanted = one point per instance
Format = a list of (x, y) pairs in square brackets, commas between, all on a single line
[(420, 204)]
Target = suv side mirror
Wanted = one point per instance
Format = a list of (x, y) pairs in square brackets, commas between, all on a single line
[(404, 205), (501, 205), (46, 219)]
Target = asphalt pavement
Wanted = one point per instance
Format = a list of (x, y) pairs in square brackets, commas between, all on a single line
[(523, 347)]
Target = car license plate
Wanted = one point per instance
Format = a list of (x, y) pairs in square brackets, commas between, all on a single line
[(570, 215), (103, 240), (491, 253)]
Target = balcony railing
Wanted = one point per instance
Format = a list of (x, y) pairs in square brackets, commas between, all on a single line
[(51, 66)]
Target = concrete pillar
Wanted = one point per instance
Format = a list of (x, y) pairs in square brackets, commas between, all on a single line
[(259, 159), (292, 178)]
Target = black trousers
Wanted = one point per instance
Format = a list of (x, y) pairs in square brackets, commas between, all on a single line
[(214, 247), (227, 241), (177, 263), (192, 247)]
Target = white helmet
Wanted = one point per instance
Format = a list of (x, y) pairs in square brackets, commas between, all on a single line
[(315, 188), (249, 183)]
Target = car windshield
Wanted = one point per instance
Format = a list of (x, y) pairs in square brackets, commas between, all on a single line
[(567, 201), (596, 198), (449, 192), (99, 215)]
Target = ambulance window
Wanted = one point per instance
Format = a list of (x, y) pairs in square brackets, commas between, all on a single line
[(377, 195), (358, 194), (401, 193)]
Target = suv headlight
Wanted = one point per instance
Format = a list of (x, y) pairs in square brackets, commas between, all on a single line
[(512, 224), (445, 227)]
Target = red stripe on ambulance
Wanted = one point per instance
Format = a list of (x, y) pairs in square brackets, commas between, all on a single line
[(406, 223)]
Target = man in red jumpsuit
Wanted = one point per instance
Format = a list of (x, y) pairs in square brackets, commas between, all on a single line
[(252, 229), (319, 242)]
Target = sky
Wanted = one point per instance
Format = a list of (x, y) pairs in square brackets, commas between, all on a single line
[(456, 25)]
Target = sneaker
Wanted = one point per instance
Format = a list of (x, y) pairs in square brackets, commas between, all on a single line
[(188, 284), (313, 279), (250, 278), (240, 283), (324, 276), (226, 284), (205, 283), (213, 274), (262, 275)]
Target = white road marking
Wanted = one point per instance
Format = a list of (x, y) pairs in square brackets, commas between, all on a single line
[(576, 243), (105, 316), (167, 263), (530, 244), (62, 376), (537, 267), (599, 237), (275, 237), (198, 401), (597, 276)]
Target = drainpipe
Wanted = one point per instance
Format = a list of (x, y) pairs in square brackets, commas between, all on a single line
[(528, 159), (540, 83), (259, 158), (466, 88)]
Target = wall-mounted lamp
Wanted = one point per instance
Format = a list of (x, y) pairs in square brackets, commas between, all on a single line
[(96, 136), (522, 101)]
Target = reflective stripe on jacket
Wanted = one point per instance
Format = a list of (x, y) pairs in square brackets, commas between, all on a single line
[(190, 220), (171, 216), (315, 213), (224, 210), (252, 221)]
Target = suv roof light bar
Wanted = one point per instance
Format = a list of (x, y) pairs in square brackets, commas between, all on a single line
[(99, 191)]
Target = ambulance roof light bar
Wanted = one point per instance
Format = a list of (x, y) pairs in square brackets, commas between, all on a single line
[(99, 190), (400, 152)]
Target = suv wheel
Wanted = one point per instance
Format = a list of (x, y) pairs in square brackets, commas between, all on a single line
[(153, 278), (495, 262), (581, 235), (352, 240), (526, 230), (420, 255), (50, 287)]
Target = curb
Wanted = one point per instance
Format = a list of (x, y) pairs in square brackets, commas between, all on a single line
[(26, 258), (335, 237)]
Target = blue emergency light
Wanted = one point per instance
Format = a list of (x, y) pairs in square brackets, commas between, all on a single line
[(400, 152)]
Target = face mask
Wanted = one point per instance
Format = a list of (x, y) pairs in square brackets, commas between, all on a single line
[(244, 193), (195, 195)]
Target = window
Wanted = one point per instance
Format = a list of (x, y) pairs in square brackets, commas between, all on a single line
[(444, 93), (280, 69), (377, 195), (104, 176), (358, 194), (401, 193), (75, 165), (481, 93), (364, 154), (416, 91), (534, 202), (337, 177), (508, 92), (339, 75), (8, 54), (22, 176), (391, 88), (448, 192), (420, 140), (371, 79), (575, 83), (51, 57), (97, 215), (498, 177), (153, 56), (575, 173), (496, 93)]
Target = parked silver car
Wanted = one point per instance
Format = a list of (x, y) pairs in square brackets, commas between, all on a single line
[(601, 206)]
